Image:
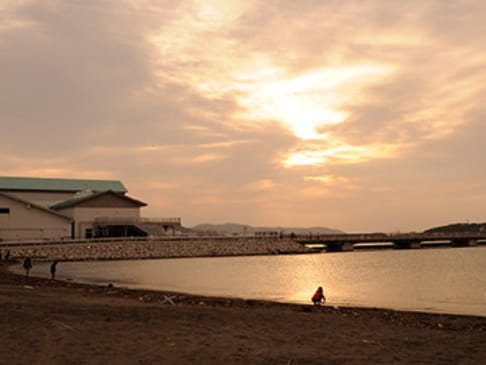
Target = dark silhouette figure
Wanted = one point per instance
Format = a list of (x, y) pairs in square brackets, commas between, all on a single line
[(318, 298), (27, 265), (53, 270), (7, 255)]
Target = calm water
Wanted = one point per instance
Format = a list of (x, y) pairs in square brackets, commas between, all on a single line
[(449, 280)]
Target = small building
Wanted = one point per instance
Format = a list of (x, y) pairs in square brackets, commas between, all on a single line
[(38, 208), (267, 234)]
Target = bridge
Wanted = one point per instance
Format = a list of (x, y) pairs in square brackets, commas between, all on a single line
[(347, 242)]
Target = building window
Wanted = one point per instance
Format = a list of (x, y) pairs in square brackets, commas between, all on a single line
[(4, 210)]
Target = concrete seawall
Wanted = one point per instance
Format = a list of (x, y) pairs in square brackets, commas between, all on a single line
[(158, 248)]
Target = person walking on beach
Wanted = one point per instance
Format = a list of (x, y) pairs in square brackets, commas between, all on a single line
[(27, 265), (318, 297), (53, 270)]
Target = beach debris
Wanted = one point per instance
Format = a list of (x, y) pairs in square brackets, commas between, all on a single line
[(201, 303), (440, 325), (110, 286), (371, 342), (28, 287), (144, 298), (63, 325), (168, 299)]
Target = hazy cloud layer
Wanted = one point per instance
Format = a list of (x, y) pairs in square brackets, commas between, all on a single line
[(358, 115)]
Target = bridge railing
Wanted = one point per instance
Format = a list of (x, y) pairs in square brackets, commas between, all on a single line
[(363, 237), (381, 237)]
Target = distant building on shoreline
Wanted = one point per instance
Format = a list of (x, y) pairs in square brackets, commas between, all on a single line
[(268, 234), (54, 209)]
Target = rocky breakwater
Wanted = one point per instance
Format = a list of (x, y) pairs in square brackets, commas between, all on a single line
[(158, 248)]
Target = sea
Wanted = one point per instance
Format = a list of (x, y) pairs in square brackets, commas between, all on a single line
[(441, 280)]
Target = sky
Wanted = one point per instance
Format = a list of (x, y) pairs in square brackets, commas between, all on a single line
[(358, 115)]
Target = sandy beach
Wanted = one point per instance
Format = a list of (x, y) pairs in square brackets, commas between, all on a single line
[(53, 322)]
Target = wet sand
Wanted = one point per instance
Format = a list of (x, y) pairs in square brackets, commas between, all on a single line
[(53, 322)]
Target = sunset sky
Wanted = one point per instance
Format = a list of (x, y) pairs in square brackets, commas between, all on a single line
[(364, 116)]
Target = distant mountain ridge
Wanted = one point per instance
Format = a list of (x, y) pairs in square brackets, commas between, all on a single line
[(237, 228), (459, 227)]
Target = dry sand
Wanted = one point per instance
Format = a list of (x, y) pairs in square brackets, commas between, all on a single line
[(45, 322)]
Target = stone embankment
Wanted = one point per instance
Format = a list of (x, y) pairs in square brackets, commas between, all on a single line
[(157, 248)]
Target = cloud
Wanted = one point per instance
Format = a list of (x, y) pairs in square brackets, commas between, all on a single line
[(261, 185), (347, 113)]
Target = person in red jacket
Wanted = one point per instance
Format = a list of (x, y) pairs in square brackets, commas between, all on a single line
[(318, 297)]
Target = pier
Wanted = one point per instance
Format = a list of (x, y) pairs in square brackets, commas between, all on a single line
[(348, 242)]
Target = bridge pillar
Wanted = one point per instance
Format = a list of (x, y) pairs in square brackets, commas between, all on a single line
[(400, 245), (464, 243), (348, 246), (339, 247)]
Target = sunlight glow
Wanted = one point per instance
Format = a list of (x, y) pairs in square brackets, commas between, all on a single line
[(343, 153), (218, 12), (333, 181), (307, 102), (260, 185), (208, 157), (328, 179)]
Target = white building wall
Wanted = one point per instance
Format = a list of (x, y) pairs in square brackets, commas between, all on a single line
[(25, 222), (84, 217)]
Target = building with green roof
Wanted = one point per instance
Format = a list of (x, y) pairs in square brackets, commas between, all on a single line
[(47, 192), (53, 209)]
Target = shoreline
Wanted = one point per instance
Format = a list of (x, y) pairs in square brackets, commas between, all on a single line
[(57, 322), (158, 293), (152, 295), (140, 288)]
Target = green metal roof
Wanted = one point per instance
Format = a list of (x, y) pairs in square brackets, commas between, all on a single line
[(71, 185), (75, 201)]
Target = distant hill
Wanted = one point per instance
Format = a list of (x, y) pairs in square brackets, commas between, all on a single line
[(459, 227), (236, 228)]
